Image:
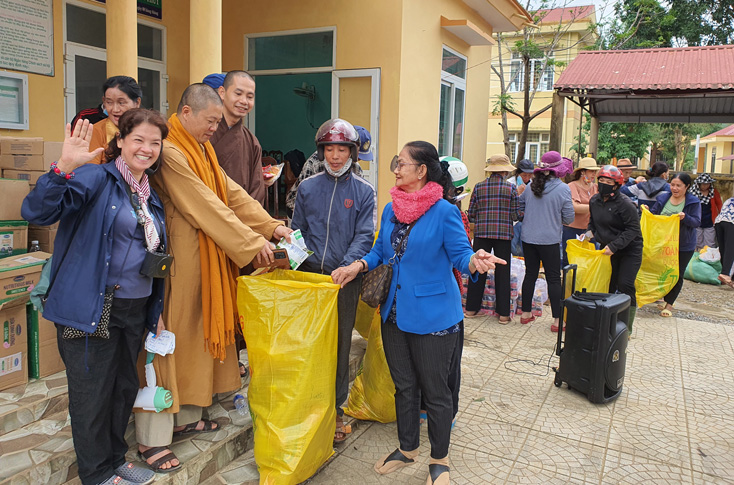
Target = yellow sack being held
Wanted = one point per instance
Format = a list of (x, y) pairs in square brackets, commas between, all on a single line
[(659, 270), (289, 320), (594, 267)]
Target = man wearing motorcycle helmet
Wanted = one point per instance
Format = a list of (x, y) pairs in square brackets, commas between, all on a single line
[(615, 225), (336, 211)]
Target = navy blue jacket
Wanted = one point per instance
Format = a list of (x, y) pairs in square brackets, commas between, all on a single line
[(90, 202), (337, 218), (688, 225)]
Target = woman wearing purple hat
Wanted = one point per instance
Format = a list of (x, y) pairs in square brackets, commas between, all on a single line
[(547, 206)]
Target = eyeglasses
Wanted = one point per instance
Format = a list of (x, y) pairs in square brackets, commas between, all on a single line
[(395, 164)]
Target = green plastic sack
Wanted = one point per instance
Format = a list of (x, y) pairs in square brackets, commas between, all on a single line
[(658, 272), (372, 397), (289, 320), (594, 267), (702, 271)]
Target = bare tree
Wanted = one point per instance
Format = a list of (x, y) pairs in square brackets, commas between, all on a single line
[(536, 50)]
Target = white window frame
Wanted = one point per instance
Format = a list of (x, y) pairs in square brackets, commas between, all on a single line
[(516, 84), (454, 82), (296, 70), (72, 49), (543, 139)]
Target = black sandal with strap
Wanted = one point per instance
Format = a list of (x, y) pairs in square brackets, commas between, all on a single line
[(191, 428), (156, 465), (435, 470)]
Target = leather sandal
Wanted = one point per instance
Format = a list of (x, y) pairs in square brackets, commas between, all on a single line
[(437, 474), (341, 429), (392, 462), (191, 428), (156, 465)]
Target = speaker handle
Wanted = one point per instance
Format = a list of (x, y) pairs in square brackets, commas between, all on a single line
[(562, 322)]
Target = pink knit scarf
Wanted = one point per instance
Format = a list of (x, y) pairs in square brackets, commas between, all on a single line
[(408, 207)]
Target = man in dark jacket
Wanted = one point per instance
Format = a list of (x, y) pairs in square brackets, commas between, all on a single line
[(336, 213)]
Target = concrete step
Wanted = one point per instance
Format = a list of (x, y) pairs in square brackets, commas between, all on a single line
[(36, 445)]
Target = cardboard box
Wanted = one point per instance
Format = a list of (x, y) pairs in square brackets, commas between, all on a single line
[(45, 235), (51, 153), (14, 350), (30, 175), (13, 238), (43, 349), (21, 146), (22, 162), (12, 193), (19, 274)]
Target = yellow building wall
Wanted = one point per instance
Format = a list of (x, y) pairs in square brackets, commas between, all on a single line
[(723, 148), (46, 93), (567, 50), (420, 79)]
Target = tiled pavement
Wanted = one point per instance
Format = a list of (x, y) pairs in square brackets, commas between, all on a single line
[(673, 423)]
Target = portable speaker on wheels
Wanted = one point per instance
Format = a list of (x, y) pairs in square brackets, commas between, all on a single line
[(593, 354)]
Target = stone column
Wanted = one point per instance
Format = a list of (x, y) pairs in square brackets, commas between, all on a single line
[(205, 42), (122, 38)]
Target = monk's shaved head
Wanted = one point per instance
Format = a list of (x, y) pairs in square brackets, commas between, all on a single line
[(229, 78), (198, 96)]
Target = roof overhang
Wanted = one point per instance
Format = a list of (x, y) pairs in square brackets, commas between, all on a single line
[(467, 31), (689, 85), (510, 18)]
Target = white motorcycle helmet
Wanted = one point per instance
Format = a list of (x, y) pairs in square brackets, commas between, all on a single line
[(459, 175)]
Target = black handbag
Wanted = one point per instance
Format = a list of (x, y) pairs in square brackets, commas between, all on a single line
[(376, 283)]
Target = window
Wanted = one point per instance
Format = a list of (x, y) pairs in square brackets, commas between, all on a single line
[(291, 51), (451, 108), (86, 60), (536, 145), (544, 79)]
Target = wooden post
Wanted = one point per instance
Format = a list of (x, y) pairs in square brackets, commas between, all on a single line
[(556, 124), (594, 136)]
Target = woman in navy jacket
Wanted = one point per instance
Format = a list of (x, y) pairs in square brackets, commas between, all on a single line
[(688, 208), (108, 215), (422, 314)]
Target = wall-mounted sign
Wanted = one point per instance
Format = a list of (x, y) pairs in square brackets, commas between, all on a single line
[(149, 8), (27, 36), (13, 101)]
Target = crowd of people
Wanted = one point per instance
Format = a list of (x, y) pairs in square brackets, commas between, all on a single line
[(131, 187)]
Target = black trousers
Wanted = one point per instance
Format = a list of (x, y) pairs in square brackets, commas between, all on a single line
[(550, 256), (725, 240), (103, 383), (502, 249), (625, 265), (454, 372), (684, 257), (420, 366), (347, 307)]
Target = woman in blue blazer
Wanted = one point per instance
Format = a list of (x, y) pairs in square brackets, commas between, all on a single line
[(425, 235), (687, 206)]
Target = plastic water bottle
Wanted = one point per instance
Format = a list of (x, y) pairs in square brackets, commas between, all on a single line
[(240, 404), (34, 247)]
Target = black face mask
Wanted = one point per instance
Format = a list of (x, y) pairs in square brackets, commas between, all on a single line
[(607, 190)]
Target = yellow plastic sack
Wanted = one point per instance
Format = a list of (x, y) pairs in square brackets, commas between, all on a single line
[(289, 320), (659, 270), (594, 267), (364, 318), (372, 397)]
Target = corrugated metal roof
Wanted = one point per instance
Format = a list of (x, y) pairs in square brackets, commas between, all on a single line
[(728, 131), (688, 68), (567, 14)]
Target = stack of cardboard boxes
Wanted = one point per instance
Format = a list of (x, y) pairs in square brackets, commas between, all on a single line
[(29, 341)]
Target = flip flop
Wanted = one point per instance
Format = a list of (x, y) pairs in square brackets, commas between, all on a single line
[(209, 427), (666, 313), (392, 462), (156, 465), (475, 315)]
